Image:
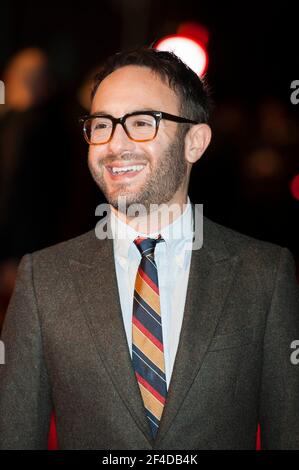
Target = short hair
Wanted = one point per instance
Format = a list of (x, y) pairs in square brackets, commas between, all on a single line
[(192, 91)]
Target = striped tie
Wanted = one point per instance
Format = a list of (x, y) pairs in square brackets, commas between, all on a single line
[(147, 339)]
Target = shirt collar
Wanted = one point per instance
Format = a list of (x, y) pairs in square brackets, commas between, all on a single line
[(178, 235)]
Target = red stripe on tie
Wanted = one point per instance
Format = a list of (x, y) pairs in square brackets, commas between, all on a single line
[(148, 280), (150, 389), (139, 240), (147, 333)]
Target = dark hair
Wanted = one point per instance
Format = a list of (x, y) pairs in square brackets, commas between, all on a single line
[(191, 90)]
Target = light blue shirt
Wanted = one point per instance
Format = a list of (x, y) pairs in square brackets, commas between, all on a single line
[(173, 259)]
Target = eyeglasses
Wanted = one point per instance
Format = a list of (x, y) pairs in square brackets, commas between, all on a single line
[(139, 126)]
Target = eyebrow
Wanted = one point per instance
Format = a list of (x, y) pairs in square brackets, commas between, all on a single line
[(145, 108)]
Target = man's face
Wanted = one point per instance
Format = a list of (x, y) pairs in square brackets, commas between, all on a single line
[(163, 169)]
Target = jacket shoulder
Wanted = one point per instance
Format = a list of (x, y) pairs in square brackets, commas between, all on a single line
[(81, 247), (237, 243)]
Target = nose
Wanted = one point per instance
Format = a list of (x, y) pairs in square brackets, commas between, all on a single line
[(120, 141)]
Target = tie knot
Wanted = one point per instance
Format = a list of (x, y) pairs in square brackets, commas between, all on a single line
[(146, 246)]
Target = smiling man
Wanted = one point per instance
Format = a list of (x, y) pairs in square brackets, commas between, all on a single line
[(142, 159), (138, 341)]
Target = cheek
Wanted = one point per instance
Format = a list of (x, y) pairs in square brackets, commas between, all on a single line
[(92, 161), (90, 153), (154, 151), (93, 156)]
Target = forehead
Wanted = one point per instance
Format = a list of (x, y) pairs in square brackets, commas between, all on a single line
[(131, 88)]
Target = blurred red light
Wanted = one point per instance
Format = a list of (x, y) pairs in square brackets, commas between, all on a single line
[(295, 187), (194, 31), (189, 50)]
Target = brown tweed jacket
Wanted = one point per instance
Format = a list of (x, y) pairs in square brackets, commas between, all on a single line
[(66, 350)]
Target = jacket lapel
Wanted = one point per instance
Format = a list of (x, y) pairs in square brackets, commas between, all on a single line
[(211, 273)]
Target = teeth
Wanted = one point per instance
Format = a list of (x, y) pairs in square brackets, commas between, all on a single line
[(127, 168)]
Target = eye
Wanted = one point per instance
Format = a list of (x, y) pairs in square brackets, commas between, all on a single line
[(142, 122), (101, 125)]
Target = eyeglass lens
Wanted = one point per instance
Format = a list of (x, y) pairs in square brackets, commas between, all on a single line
[(139, 127)]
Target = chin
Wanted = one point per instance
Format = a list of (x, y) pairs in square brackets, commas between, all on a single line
[(122, 199)]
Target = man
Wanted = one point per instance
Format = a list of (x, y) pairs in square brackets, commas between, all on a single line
[(141, 342)]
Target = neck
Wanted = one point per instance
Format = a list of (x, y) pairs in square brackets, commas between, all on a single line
[(163, 215)]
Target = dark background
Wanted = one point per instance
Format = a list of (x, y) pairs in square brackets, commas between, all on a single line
[(244, 178)]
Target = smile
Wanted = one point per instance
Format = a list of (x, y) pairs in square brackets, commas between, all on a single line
[(129, 170)]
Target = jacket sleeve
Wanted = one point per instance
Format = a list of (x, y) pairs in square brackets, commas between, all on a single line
[(279, 394), (25, 397)]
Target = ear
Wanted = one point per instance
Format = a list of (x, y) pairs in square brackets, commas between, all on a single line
[(196, 142)]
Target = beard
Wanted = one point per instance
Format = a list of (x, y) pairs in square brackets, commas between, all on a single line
[(161, 184)]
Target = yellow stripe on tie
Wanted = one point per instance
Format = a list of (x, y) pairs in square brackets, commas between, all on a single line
[(147, 293), (148, 348), (151, 402)]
